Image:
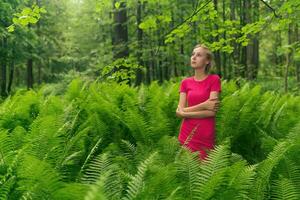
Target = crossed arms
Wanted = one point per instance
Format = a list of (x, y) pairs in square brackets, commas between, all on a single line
[(201, 110)]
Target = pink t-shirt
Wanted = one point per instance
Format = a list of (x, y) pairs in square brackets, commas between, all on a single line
[(198, 92)]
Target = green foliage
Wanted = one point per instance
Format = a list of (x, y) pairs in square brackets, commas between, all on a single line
[(121, 69), (27, 16), (112, 141)]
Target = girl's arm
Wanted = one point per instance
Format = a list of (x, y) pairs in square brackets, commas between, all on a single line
[(181, 104), (211, 104), (199, 114), (198, 107)]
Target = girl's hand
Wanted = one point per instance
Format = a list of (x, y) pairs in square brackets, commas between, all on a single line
[(212, 104), (180, 112)]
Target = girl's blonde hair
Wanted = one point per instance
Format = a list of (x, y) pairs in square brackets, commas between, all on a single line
[(209, 56)]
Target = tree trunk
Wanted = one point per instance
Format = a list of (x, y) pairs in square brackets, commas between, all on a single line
[(173, 61), (243, 61), (159, 62), (11, 70), (3, 67), (255, 58), (139, 74), (288, 58), (11, 75), (224, 69), (250, 46), (297, 62), (233, 68), (120, 34), (29, 73), (39, 78), (217, 53)]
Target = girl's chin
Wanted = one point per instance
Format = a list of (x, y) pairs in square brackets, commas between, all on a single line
[(195, 66)]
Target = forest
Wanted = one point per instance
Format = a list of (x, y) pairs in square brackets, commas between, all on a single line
[(89, 90)]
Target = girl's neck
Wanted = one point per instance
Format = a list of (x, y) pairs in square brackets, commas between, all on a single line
[(200, 74)]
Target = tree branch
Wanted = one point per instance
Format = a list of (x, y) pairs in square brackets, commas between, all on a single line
[(196, 11), (270, 8)]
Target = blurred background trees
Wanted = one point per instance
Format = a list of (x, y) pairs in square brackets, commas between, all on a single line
[(139, 41)]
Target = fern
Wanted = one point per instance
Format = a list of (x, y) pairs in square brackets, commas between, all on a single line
[(97, 190), (285, 189), (98, 167), (275, 121), (46, 143), (20, 110), (71, 191), (136, 184), (188, 166), (90, 154), (240, 180), (129, 149), (75, 89), (294, 136), (37, 178), (212, 172), (137, 125), (168, 147), (6, 148), (6, 187), (265, 168), (154, 115), (293, 171), (48, 151), (173, 193)]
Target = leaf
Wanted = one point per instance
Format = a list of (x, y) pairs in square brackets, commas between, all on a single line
[(33, 20), (117, 5), (43, 10), (15, 20), (11, 28), (26, 11)]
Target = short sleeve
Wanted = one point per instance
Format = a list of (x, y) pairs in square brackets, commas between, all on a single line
[(216, 84), (182, 87)]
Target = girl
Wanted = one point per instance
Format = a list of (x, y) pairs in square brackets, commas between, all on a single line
[(201, 93)]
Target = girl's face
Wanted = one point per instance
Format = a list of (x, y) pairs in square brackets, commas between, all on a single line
[(198, 58)]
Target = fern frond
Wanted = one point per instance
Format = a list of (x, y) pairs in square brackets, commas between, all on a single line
[(129, 149), (284, 189), (74, 89), (37, 178), (6, 147), (95, 168), (90, 154), (276, 118), (6, 187), (97, 190), (173, 193), (240, 180), (293, 171), (212, 172), (265, 168), (137, 125), (294, 136), (188, 167), (136, 184), (112, 186), (71, 191)]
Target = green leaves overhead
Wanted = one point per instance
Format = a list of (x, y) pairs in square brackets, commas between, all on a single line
[(121, 69), (154, 22), (27, 16)]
